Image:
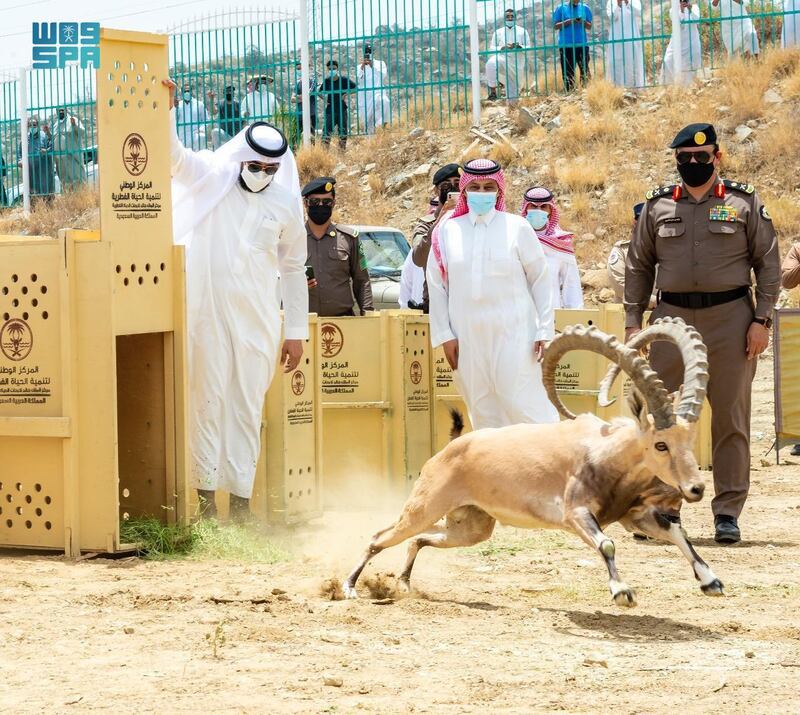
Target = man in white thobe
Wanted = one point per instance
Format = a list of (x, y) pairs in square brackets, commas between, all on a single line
[(192, 119), (691, 49), (412, 283), (69, 141), (260, 103), (373, 101), (239, 214), (736, 28), (625, 51), (490, 303), (507, 65)]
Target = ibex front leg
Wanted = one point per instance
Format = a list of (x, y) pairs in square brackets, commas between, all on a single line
[(583, 522), (665, 526)]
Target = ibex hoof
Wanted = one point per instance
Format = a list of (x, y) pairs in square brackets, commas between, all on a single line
[(349, 591), (715, 588), (625, 598)]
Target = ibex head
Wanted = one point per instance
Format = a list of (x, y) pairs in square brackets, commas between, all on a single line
[(667, 427)]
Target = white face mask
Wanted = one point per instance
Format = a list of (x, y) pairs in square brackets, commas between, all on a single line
[(256, 181)]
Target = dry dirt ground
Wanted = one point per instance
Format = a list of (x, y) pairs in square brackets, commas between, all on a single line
[(521, 624)]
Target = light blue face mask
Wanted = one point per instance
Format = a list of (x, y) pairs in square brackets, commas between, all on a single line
[(509, 24), (481, 202), (537, 219)]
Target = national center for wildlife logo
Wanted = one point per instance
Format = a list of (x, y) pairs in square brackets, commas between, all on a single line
[(332, 340), (415, 372), (134, 154), (16, 339), (298, 383)]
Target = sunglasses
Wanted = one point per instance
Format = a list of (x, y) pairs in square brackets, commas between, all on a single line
[(701, 157), (269, 169), (320, 202)]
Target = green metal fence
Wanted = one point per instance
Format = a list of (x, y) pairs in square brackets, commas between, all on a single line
[(397, 63)]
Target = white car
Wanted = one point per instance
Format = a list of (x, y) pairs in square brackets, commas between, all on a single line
[(386, 249)]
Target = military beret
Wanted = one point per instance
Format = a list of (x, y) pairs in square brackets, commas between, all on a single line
[(694, 135), (637, 211), (448, 171), (320, 185)]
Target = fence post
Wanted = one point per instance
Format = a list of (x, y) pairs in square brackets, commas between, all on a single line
[(305, 74), (475, 62), (677, 43), (23, 137)]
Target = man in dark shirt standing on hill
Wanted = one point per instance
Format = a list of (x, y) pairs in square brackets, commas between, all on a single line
[(337, 113)]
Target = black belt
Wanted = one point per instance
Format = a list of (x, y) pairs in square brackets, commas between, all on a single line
[(695, 301)]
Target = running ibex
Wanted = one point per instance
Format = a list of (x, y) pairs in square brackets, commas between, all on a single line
[(578, 475)]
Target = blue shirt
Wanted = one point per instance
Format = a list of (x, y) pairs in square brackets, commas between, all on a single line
[(574, 34)]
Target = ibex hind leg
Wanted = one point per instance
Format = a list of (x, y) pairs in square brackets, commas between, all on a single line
[(585, 525), (417, 517), (668, 527), (465, 526)]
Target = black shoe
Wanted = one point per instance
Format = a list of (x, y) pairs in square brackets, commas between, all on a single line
[(726, 530), (795, 451)]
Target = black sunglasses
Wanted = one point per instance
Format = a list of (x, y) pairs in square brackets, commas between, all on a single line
[(268, 169), (701, 157), (320, 202)]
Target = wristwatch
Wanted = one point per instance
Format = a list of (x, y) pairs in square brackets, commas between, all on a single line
[(766, 322)]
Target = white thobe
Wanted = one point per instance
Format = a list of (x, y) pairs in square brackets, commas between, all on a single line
[(373, 101), (507, 68), (412, 280), (565, 280), (738, 33), (496, 302), (259, 105), (625, 51), (790, 34), (691, 50), (233, 320), (192, 119)]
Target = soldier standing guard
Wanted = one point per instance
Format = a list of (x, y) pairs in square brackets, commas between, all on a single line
[(705, 235), (336, 267)]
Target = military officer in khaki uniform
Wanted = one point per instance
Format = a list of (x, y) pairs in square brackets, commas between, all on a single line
[(615, 265), (445, 181), (705, 235), (336, 267)]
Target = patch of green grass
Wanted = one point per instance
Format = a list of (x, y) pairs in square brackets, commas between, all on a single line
[(510, 542), (206, 539)]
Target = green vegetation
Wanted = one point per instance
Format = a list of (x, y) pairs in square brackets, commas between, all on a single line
[(205, 539)]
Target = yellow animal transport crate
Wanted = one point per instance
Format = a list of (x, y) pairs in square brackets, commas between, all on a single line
[(376, 403), (92, 358)]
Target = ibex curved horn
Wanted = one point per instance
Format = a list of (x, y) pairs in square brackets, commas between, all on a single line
[(695, 364), (579, 337)]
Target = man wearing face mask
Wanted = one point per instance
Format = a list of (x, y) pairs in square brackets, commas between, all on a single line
[(540, 210), (445, 183), (40, 160), (705, 236), (491, 304), (238, 212), (337, 112), (69, 140), (230, 118), (507, 65), (335, 256), (192, 119)]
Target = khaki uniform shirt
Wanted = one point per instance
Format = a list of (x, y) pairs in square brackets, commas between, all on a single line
[(340, 269), (790, 270), (421, 246), (616, 271), (704, 246)]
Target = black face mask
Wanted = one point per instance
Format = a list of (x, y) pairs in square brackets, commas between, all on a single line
[(694, 174), (320, 215), (229, 96)]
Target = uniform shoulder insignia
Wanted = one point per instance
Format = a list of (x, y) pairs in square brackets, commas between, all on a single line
[(347, 230), (659, 191), (739, 186)]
